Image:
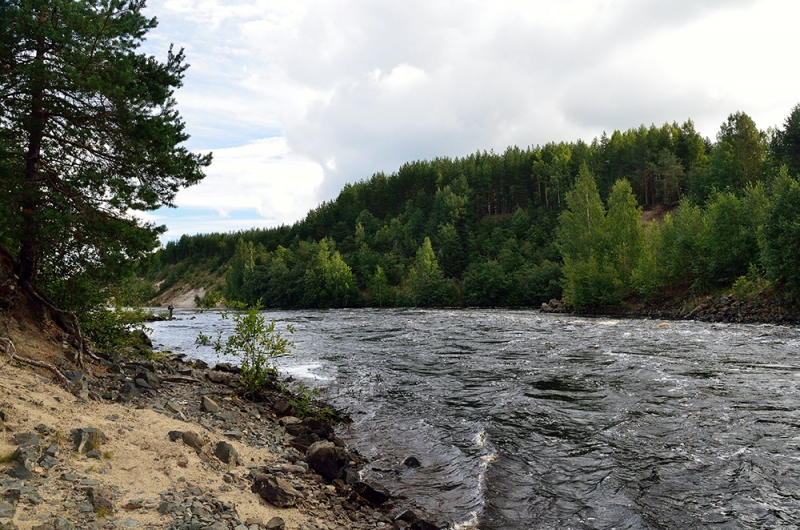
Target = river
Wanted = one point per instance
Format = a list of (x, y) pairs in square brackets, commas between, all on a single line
[(527, 420)]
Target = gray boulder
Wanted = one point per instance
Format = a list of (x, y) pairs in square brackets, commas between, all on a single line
[(327, 459), (276, 491)]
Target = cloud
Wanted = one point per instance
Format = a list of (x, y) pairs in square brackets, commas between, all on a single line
[(263, 176), (354, 86)]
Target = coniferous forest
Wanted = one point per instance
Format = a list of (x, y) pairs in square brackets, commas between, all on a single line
[(644, 215)]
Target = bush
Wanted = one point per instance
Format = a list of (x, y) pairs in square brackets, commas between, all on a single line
[(256, 343)]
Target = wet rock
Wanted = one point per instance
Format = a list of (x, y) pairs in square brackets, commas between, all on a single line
[(327, 459), (193, 440), (226, 453), (411, 461), (275, 490), (408, 516), (208, 405), (422, 525), (323, 430), (88, 438), (375, 494)]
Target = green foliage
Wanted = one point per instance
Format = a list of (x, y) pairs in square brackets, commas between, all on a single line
[(255, 342), (524, 226), (426, 280), (209, 301), (116, 330), (89, 132), (302, 400), (780, 235)]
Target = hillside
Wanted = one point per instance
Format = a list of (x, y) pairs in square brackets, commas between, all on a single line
[(672, 213)]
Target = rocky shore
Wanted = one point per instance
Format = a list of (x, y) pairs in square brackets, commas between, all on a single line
[(718, 308), (170, 444)]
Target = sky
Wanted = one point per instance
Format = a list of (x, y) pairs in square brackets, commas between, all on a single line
[(295, 99)]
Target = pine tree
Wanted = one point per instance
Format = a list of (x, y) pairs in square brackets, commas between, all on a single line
[(88, 134)]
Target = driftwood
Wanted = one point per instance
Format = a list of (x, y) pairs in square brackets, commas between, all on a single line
[(180, 379), (10, 350)]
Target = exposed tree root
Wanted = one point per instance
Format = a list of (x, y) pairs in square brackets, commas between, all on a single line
[(10, 350), (83, 345)]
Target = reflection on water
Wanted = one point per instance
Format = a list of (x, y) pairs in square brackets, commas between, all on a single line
[(527, 420)]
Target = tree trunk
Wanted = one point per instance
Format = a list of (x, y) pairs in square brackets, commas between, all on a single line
[(29, 240)]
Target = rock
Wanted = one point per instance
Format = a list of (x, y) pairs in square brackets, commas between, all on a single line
[(282, 407), (275, 490), (296, 429), (221, 378), (48, 462), (43, 430), (411, 461), (234, 433), (28, 439), (59, 523), (208, 405), (323, 430), (174, 436), (27, 455), (227, 453), (422, 525), (327, 459), (95, 453), (20, 472), (227, 367), (88, 438), (407, 516), (193, 440), (173, 407), (129, 389), (74, 376), (7, 509), (150, 379), (276, 523), (289, 420), (373, 493)]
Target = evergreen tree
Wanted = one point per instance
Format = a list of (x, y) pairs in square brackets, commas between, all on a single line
[(88, 132)]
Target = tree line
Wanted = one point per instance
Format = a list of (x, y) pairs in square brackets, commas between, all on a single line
[(527, 225)]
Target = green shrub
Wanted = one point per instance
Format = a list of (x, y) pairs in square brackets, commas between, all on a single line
[(255, 342)]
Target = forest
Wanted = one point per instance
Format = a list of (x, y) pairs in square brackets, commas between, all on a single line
[(522, 227)]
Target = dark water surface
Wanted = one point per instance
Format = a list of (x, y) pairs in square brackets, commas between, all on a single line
[(527, 420)]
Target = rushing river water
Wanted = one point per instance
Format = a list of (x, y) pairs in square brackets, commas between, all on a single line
[(527, 420)]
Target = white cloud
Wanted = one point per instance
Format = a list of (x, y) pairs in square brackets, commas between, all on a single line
[(355, 86), (262, 175)]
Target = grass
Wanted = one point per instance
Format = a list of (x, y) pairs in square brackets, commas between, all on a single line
[(5, 458)]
